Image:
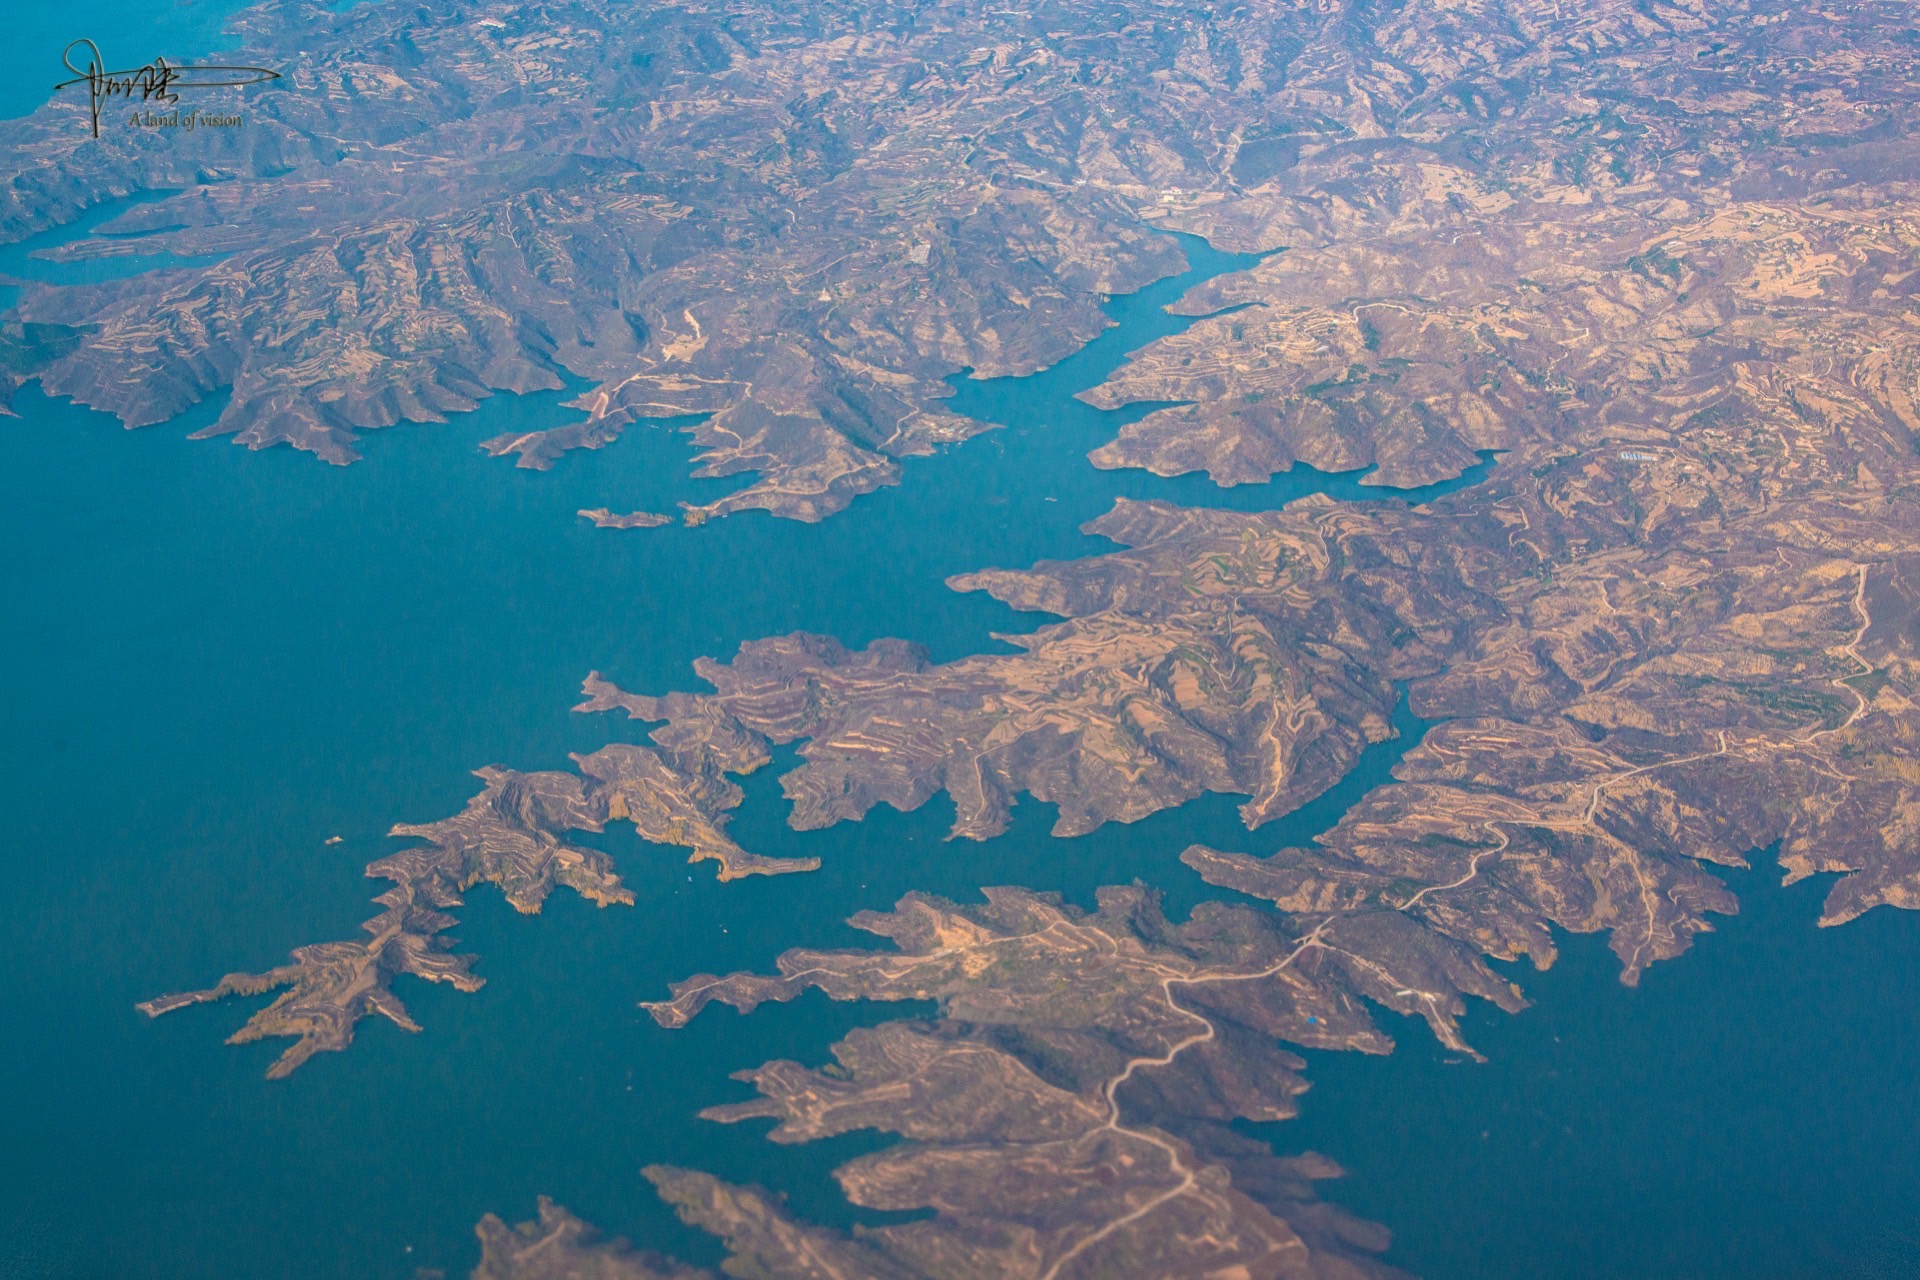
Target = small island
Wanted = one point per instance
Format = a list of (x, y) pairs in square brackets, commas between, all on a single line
[(606, 519)]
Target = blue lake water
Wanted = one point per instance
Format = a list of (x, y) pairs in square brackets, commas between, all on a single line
[(130, 33), (130, 256), (213, 661), (1749, 1111)]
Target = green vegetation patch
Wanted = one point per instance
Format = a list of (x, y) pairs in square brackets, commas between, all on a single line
[(25, 349), (1869, 683)]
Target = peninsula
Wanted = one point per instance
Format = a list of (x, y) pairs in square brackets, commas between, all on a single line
[(1659, 256)]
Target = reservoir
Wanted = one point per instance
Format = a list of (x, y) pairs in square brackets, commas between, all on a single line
[(214, 662)]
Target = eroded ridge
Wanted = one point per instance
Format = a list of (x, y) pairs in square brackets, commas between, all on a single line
[(1220, 654), (1020, 1106), (1652, 651), (794, 219), (1673, 643), (1601, 217), (1730, 667), (512, 835), (800, 219), (1657, 631), (1492, 832)]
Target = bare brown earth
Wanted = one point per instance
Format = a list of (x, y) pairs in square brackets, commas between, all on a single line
[(1660, 255), (561, 1247), (512, 835), (1014, 1105), (1686, 598), (800, 220), (1019, 1106), (1689, 704), (795, 219), (606, 519)]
